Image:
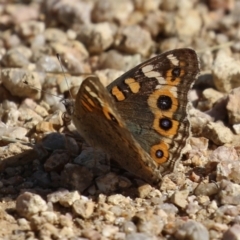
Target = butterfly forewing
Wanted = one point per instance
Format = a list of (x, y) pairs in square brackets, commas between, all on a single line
[(97, 120)]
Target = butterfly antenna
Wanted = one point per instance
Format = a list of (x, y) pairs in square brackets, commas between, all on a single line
[(60, 61), (69, 105)]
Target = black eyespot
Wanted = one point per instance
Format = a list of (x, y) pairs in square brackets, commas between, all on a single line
[(165, 123), (159, 153), (113, 118), (176, 72), (164, 102)]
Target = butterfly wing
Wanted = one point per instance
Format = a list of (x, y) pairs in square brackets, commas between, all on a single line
[(96, 118), (152, 100)]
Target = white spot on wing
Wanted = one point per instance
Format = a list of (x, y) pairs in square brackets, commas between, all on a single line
[(173, 90), (93, 83), (167, 141), (161, 80), (94, 95), (173, 59), (152, 74), (147, 68)]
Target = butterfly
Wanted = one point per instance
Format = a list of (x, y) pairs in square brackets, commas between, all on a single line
[(140, 120)]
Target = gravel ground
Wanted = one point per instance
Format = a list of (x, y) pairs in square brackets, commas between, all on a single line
[(52, 184)]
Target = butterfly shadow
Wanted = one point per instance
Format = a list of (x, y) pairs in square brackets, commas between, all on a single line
[(57, 163)]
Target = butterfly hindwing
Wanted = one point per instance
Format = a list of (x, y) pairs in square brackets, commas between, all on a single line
[(152, 99)]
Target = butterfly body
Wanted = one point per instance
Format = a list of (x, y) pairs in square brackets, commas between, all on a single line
[(140, 119)]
